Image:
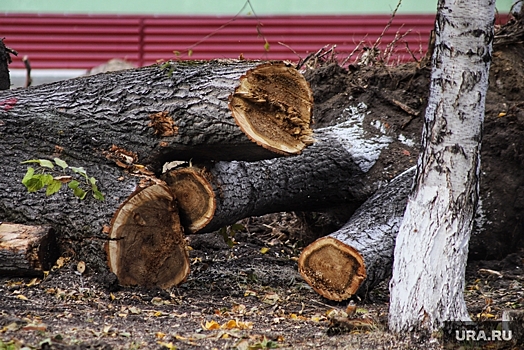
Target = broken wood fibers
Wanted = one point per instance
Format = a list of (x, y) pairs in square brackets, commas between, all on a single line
[(26, 250)]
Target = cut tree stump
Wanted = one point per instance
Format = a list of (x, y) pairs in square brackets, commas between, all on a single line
[(26, 250), (359, 255), (325, 175), (146, 243)]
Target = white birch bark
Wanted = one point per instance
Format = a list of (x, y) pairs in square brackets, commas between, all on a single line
[(432, 245)]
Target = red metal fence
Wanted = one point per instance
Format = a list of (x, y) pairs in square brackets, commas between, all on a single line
[(85, 41)]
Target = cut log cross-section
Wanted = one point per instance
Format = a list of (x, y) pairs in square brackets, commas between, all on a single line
[(147, 244)]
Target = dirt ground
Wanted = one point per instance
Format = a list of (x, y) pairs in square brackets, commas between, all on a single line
[(250, 296)]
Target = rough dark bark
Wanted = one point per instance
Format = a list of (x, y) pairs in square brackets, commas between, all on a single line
[(5, 80), (325, 175), (173, 112), (26, 250), (371, 233)]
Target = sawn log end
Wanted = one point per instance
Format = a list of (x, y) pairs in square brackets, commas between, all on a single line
[(195, 196), (332, 268), (272, 106), (147, 245)]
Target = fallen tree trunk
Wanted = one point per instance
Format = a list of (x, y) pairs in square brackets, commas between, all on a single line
[(180, 110), (327, 174), (26, 250), (359, 255)]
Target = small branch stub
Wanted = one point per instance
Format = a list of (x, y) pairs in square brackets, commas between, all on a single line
[(147, 245), (332, 268), (272, 106)]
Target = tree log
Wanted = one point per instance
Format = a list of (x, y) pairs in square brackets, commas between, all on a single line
[(181, 110), (26, 250), (335, 265), (327, 174)]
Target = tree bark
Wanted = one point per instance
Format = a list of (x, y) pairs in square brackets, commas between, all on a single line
[(204, 110), (26, 250), (363, 247), (5, 59), (327, 174), (432, 245)]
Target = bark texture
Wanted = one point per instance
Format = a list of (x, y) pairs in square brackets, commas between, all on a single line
[(5, 80), (26, 250), (432, 245), (370, 233), (325, 175)]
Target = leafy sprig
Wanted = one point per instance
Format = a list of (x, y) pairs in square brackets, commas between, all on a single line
[(46, 176)]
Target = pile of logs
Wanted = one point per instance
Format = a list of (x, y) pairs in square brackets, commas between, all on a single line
[(240, 132)]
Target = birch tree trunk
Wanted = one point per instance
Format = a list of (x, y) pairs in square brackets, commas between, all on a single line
[(432, 245)]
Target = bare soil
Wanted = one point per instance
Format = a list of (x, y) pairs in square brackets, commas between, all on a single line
[(250, 296)]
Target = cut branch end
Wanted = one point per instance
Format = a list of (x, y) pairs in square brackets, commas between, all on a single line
[(195, 196), (272, 106), (332, 268), (147, 245)]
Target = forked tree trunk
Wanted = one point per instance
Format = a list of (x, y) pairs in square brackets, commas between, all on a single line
[(432, 245), (359, 255)]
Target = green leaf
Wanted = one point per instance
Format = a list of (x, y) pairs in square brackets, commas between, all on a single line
[(28, 175), (46, 178), (92, 181), (31, 161), (46, 163), (79, 170), (98, 195), (42, 162), (53, 187), (266, 46), (80, 193), (73, 184), (60, 163), (34, 184)]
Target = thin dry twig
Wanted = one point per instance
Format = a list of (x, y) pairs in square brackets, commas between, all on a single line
[(352, 53), (379, 39), (189, 50)]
